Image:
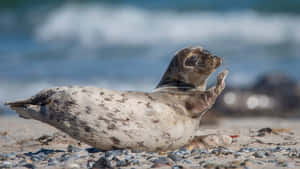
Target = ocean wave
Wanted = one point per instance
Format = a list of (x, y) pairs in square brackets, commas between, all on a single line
[(98, 25)]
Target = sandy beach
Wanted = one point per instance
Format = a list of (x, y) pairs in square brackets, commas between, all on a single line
[(257, 143)]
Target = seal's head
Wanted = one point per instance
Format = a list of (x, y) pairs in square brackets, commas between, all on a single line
[(190, 69)]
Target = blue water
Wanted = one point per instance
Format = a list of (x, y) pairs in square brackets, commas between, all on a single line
[(128, 45)]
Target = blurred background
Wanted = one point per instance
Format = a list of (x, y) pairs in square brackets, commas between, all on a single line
[(127, 45)]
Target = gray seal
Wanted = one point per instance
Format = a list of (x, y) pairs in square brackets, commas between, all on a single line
[(164, 119)]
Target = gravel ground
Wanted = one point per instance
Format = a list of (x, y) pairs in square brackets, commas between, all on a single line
[(256, 143)]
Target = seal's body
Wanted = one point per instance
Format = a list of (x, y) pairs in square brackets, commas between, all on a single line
[(161, 120)]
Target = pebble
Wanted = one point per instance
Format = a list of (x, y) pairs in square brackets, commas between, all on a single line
[(237, 154), (260, 163), (259, 154), (35, 158), (161, 160), (248, 149), (93, 150), (285, 164), (73, 149), (52, 162), (75, 157), (174, 157), (7, 156), (89, 164), (177, 167), (278, 149), (102, 163), (29, 166), (64, 157), (187, 162), (72, 165), (216, 140), (134, 161), (129, 157), (110, 154), (223, 151), (122, 163), (6, 164), (158, 165)]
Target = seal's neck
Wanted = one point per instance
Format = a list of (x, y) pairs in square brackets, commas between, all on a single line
[(181, 84), (169, 84)]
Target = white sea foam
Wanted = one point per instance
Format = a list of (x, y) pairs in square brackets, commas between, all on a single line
[(96, 25)]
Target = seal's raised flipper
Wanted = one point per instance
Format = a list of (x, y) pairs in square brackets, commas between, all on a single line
[(203, 101), (220, 86)]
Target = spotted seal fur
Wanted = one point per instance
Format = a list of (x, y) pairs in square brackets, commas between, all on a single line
[(164, 119)]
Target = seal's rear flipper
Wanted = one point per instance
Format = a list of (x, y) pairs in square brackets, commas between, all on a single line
[(25, 108), (19, 103)]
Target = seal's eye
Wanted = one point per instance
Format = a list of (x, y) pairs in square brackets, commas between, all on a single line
[(192, 60)]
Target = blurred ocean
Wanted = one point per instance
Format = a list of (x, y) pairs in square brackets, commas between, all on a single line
[(127, 45)]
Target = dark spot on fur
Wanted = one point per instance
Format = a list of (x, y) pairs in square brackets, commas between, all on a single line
[(77, 113), (56, 101), (128, 133), (122, 100), (111, 126), (117, 110), (83, 90), (101, 93), (87, 129), (97, 125), (102, 105), (88, 109), (141, 144), (189, 105), (103, 119), (115, 140), (51, 117), (150, 97), (149, 105), (156, 139), (123, 94), (166, 135), (73, 93), (107, 99), (155, 121), (69, 103), (111, 115), (158, 149)]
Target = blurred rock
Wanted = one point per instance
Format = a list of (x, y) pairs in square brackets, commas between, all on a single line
[(271, 95)]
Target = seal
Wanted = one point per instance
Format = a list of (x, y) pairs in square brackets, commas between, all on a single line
[(164, 119)]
